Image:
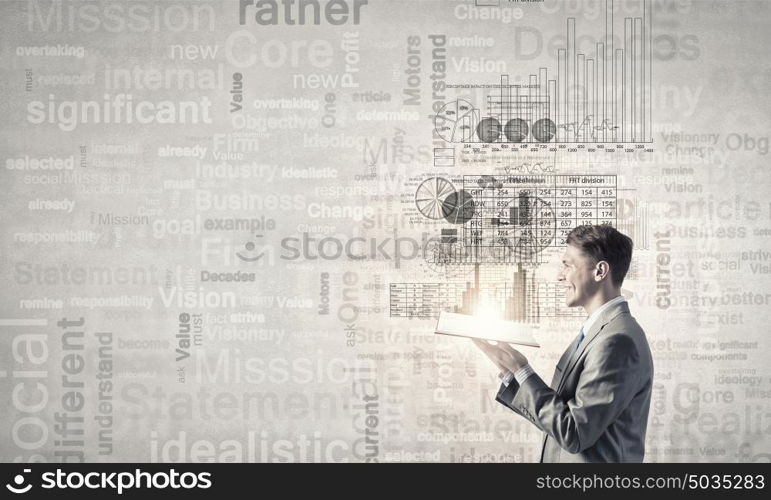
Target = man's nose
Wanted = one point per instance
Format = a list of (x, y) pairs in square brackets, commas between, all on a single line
[(561, 275)]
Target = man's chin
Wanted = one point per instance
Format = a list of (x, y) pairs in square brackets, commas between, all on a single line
[(570, 297)]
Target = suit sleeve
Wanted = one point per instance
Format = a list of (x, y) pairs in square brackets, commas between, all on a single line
[(506, 395), (609, 380)]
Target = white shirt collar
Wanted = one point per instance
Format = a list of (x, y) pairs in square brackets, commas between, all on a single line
[(591, 320)]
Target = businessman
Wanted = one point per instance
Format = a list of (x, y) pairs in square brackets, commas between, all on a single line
[(596, 408)]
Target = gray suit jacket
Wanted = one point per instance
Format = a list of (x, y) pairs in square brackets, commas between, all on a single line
[(596, 409)]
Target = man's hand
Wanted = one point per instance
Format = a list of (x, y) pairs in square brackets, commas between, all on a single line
[(505, 357)]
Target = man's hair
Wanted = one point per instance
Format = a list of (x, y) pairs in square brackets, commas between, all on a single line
[(604, 243)]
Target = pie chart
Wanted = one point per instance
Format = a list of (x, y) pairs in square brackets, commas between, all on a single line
[(456, 121), (544, 130), (432, 197), (463, 207), (488, 130), (516, 130)]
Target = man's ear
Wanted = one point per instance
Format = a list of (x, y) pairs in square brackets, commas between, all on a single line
[(601, 271)]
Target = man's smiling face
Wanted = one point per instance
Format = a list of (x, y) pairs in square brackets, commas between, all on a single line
[(577, 274)]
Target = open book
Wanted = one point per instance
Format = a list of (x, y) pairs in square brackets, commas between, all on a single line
[(463, 325)]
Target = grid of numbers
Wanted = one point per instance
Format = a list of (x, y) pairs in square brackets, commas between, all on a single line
[(536, 210)]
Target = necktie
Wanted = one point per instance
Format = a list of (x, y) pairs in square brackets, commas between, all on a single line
[(580, 339)]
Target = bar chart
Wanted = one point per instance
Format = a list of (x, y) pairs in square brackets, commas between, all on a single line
[(601, 95), (522, 298)]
